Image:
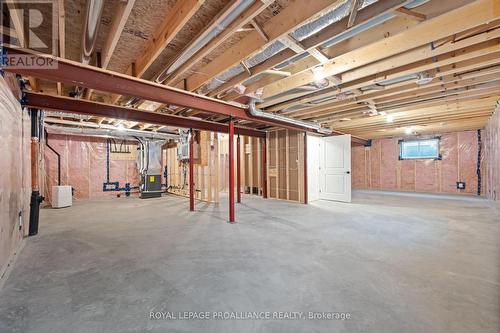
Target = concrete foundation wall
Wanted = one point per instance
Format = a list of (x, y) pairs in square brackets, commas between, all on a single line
[(15, 182), (491, 144), (379, 167), (83, 166)]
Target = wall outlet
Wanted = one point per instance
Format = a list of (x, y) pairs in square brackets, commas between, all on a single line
[(461, 185)]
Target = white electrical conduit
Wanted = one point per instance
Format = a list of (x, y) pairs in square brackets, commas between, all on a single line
[(254, 111)]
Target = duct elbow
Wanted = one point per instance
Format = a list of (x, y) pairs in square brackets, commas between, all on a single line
[(307, 125)]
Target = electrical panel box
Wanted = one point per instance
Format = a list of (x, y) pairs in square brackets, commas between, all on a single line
[(183, 145), (61, 196)]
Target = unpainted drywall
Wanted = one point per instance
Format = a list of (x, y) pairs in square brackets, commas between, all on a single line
[(379, 167), (491, 147), (15, 181)]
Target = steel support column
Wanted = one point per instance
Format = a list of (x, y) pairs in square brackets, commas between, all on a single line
[(238, 171), (264, 169), (191, 171), (305, 168), (231, 171)]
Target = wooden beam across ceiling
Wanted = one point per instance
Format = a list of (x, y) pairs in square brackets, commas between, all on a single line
[(420, 59), (313, 42), (276, 27), (174, 21), (458, 20), (122, 13), (243, 19)]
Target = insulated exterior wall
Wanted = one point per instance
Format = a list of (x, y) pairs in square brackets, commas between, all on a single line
[(83, 166), (491, 147), (379, 167), (15, 181)]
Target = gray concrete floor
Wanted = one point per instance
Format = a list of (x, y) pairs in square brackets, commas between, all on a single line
[(394, 263)]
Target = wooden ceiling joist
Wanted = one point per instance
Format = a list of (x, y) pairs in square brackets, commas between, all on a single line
[(278, 26), (174, 21), (311, 43), (458, 20), (245, 18)]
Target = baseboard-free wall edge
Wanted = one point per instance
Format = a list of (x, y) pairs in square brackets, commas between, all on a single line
[(7, 269)]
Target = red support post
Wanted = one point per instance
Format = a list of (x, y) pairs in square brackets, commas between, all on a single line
[(264, 169), (191, 172), (305, 168), (238, 171), (231, 171)]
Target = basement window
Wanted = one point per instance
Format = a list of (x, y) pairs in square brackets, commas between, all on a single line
[(414, 149)]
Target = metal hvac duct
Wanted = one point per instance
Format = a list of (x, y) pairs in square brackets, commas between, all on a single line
[(90, 28), (218, 26), (105, 131), (254, 111)]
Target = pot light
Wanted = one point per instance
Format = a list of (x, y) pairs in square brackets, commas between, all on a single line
[(390, 118), (120, 127), (408, 130)]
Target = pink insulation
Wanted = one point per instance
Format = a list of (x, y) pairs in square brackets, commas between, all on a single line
[(358, 167), (83, 166), (491, 153), (388, 164), (375, 159), (467, 160), (15, 179), (384, 170), (449, 163), (407, 176)]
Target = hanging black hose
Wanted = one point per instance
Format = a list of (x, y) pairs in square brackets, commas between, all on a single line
[(478, 169), (58, 158)]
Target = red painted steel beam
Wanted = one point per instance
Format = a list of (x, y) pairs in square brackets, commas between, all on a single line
[(264, 169), (305, 168), (66, 104), (238, 171), (75, 73), (191, 172), (231, 171)]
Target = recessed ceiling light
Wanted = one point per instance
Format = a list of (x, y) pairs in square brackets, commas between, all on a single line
[(408, 130), (120, 127), (390, 118)]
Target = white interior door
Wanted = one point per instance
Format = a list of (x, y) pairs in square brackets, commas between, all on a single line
[(335, 168)]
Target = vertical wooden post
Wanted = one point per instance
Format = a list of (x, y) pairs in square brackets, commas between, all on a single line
[(264, 169), (231, 171), (191, 171), (238, 171), (305, 168)]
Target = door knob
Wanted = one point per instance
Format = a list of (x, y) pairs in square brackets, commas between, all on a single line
[(348, 172)]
